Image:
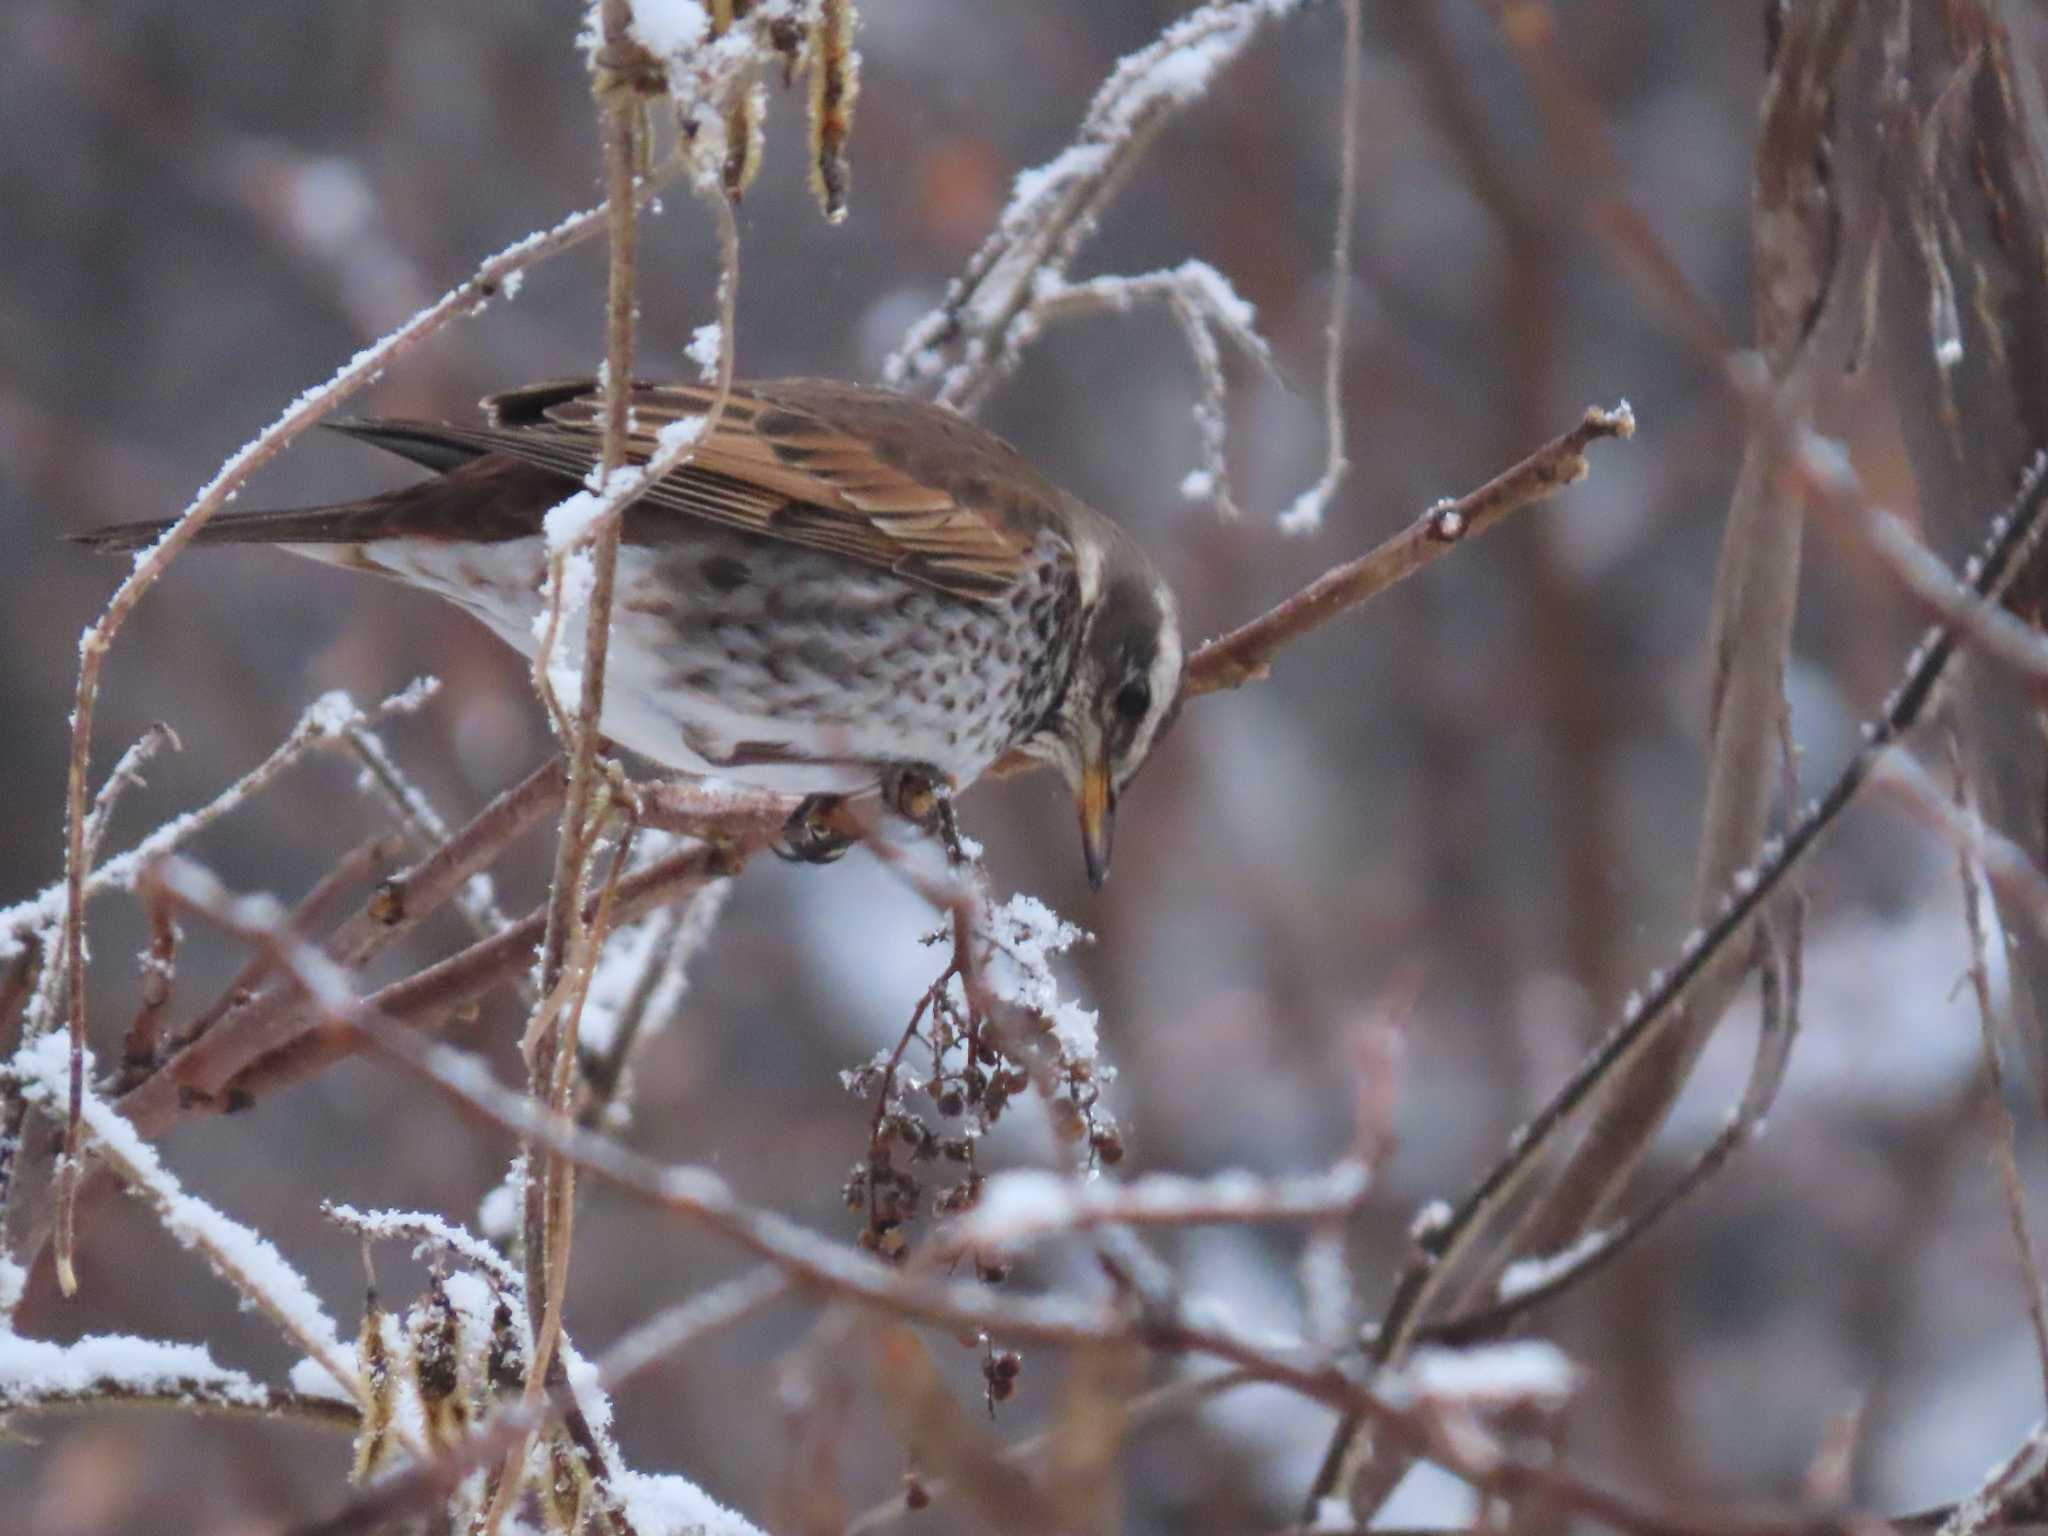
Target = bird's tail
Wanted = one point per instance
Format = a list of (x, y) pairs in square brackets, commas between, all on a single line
[(447, 506), (343, 523)]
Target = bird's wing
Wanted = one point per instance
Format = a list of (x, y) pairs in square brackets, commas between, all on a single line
[(782, 463)]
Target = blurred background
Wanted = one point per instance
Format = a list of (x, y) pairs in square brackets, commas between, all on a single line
[(1484, 790)]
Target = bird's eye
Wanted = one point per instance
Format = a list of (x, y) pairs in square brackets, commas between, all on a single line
[(1133, 699)]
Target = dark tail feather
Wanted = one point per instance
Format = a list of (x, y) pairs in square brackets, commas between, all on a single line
[(428, 444), (344, 524), (480, 498)]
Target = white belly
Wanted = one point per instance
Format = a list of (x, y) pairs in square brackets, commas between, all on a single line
[(701, 732)]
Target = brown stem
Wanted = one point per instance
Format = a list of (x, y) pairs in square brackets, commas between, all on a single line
[(1246, 654)]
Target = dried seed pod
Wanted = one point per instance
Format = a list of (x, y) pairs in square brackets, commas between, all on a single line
[(835, 82), (1067, 1123), (373, 1358), (505, 1364), (745, 114), (566, 1495), (434, 1334), (786, 36)]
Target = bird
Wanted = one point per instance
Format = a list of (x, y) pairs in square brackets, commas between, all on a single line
[(843, 589)]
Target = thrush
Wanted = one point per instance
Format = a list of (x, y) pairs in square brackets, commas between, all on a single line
[(842, 586)]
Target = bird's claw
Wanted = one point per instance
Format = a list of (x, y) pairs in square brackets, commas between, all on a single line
[(924, 798), (812, 834), (816, 832)]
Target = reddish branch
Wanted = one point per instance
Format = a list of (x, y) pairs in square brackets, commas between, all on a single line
[(1246, 653)]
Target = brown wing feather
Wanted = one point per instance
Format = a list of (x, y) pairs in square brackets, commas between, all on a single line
[(772, 465)]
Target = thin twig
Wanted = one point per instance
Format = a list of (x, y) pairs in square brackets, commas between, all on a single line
[(241, 1257), (660, 1338), (816, 1264), (197, 1077), (1959, 820), (2015, 535), (1536, 1282), (1306, 514), (1247, 652), (465, 298)]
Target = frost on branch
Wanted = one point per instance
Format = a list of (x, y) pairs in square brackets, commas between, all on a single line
[(245, 1259), (1207, 310), (327, 723), (972, 339), (1494, 1376)]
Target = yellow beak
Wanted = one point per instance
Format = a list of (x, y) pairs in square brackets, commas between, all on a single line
[(1097, 801)]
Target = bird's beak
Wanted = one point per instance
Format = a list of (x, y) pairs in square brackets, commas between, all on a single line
[(1097, 800)]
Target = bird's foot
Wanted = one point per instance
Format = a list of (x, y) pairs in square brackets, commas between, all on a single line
[(923, 796), (814, 834)]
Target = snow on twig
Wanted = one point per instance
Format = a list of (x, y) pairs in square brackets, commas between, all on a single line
[(325, 723), (966, 342), (1024, 1205), (241, 1256)]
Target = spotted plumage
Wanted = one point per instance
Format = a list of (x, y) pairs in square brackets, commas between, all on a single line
[(840, 583)]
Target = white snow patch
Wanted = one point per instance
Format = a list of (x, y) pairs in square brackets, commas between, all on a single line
[(663, 1504), (258, 1268), (31, 1368), (1025, 934), (1495, 1375), (313, 1379), (670, 28), (706, 343), (1531, 1274)]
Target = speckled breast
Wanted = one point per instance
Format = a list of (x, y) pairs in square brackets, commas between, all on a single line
[(762, 663)]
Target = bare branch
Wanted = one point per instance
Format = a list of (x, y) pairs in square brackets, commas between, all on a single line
[(1247, 652), (969, 342), (1306, 514)]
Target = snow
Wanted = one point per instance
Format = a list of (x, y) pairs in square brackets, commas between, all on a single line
[(1035, 239), (33, 1368), (326, 720), (247, 1259), (660, 1504), (1020, 1204), (499, 1213), (1430, 1220), (425, 1232), (1532, 1274), (1304, 515), (1076, 162), (569, 522), (1025, 934), (312, 1379), (669, 29), (707, 342), (1495, 1375)]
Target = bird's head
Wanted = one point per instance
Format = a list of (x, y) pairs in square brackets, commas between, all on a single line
[(1121, 694)]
